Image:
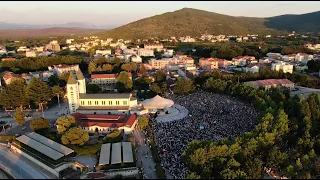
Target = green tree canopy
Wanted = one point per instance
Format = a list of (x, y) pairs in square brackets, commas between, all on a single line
[(75, 136), (39, 123), (19, 116), (124, 82), (14, 94), (38, 91), (93, 88), (64, 123), (184, 86), (143, 121)]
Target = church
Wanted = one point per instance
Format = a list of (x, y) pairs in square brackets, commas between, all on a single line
[(111, 103)]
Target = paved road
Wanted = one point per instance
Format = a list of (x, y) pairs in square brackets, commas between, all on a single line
[(50, 114), (19, 169), (143, 150), (304, 91)]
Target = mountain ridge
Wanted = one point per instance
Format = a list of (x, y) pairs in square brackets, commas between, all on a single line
[(194, 22)]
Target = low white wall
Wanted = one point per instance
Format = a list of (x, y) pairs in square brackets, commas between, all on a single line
[(124, 172), (35, 161)]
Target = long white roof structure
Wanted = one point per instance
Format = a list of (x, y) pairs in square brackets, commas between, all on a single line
[(53, 154), (52, 144), (127, 152), (105, 154), (116, 153)]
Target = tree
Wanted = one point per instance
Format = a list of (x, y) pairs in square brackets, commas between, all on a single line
[(91, 67), (155, 88), (143, 121), (133, 66), (127, 67), (75, 136), (193, 176), (142, 69), (39, 123), (160, 76), (57, 90), (53, 80), (64, 76), (183, 86), (107, 67), (93, 88), (254, 168), (124, 83), (38, 91), (19, 116), (64, 123), (14, 94)]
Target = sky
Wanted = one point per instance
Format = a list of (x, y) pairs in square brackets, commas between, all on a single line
[(123, 12)]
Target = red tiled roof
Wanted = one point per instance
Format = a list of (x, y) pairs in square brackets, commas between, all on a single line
[(9, 75), (153, 45), (267, 82), (99, 76), (96, 175), (102, 120), (8, 59)]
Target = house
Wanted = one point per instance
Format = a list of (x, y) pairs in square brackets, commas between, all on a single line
[(8, 59), (52, 46), (61, 68), (103, 51), (182, 60), (26, 77), (209, 63), (160, 63), (36, 74), (111, 103), (303, 58), (9, 76), (244, 60), (222, 63), (69, 41), (153, 46), (269, 83), (46, 75), (39, 49), (265, 60), (145, 52), (254, 68), (22, 49), (136, 59), (271, 54), (286, 68), (3, 50), (287, 58), (104, 79), (31, 53)]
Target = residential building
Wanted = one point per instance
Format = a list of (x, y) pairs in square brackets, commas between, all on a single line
[(288, 58), (3, 50), (69, 41), (160, 63), (145, 52), (22, 49), (26, 77), (269, 83), (61, 68), (103, 51), (153, 46), (300, 67), (31, 53), (286, 68), (46, 75), (136, 59), (39, 49), (104, 79), (244, 60), (9, 76), (303, 58), (224, 64), (209, 63), (254, 68), (52, 46), (271, 54), (265, 60)]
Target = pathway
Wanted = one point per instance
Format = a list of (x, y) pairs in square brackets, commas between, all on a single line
[(144, 155)]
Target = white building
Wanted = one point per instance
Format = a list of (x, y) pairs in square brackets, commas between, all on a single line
[(271, 54), (59, 69), (286, 68), (31, 53), (145, 52), (303, 58), (22, 49), (254, 68), (136, 59), (153, 46), (264, 60), (111, 103), (46, 75), (103, 51), (69, 41), (288, 58)]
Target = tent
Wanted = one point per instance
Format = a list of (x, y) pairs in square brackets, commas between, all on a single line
[(157, 102)]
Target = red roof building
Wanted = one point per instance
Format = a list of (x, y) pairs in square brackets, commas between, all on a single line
[(104, 123)]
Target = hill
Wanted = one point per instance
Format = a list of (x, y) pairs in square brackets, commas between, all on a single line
[(194, 22), (56, 31), (309, 22)]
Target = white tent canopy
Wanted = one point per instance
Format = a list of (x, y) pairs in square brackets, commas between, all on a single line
[(157, 102)]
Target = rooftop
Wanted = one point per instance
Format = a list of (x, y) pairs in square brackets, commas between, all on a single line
[(105, 96)]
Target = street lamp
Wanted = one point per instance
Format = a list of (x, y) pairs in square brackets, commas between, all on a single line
[(58, 99)]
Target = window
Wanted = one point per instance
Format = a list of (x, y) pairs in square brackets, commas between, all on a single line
[(117, 102), (89, 102), (82, 102), (103, 102), (96, 102), (124, 102), (110, 102), (71, 88)]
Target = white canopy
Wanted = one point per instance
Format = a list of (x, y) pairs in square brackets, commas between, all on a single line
[(157, 102)]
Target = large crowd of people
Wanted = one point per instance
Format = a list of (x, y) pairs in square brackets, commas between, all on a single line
[(211, 117)]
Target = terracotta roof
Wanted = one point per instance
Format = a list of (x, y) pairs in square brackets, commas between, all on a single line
[(102, 120), (269, 82), (153, 45), (9, 75), (100, 76), (8, 59)]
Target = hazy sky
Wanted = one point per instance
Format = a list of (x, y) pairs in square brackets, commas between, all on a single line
[(119, 13)]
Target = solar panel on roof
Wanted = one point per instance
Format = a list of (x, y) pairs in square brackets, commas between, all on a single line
[(105, 154), (127, 152), (116, 153), (53, 154)]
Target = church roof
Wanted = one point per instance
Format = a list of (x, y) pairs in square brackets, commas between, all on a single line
[(72, 79), (79, 75), (105, 96)]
